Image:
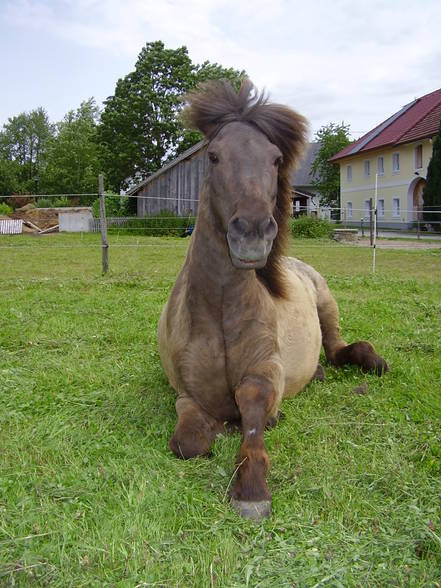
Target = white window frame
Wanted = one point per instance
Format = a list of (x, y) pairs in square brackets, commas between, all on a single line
[(396, 207), (367, 168), (380, 171), (380, 207), (349, 173), (415, 156), (367, 208), (348, 210), (395, 160)]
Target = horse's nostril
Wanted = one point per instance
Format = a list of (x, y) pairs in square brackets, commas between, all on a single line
[(239, 226), (268, 228)]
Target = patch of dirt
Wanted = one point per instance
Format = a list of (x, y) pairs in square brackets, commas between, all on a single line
[(44, 218)]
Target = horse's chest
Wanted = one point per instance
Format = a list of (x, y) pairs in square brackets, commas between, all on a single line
[(218, 358)]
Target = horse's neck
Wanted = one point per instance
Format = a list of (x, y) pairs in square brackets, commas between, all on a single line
[(210, 270)]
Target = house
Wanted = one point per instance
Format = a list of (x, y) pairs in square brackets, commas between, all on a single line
[(397, 152), (177, 184)]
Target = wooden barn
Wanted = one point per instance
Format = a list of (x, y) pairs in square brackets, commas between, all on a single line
[(176, 186)]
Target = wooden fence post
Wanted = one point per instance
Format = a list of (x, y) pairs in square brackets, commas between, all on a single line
[(103, 224)]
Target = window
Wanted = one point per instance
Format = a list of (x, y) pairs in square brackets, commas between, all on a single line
[(418, 157), (348, 209), (367, 208), (380, 207), (396, 207), (396, 163), (380, 166), (349, 173), (367, 168)]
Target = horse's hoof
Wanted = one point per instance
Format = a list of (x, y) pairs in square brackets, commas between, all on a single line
[(253, 510)]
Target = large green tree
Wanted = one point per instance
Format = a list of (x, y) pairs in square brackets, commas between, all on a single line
[(432, 189), (325, 175), (72, 161), (23, 144), (140, 127)]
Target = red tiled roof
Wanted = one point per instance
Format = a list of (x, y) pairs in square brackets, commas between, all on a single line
[(417, 120)]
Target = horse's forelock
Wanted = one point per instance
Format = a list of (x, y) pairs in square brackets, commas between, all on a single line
[(214, 104)]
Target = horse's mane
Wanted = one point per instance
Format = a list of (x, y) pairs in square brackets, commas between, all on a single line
[(213, 105)]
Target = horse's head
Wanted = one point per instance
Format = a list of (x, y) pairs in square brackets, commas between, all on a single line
[(243, 172), (252, 146)]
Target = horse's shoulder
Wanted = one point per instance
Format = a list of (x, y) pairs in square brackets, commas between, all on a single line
[(299, 271)]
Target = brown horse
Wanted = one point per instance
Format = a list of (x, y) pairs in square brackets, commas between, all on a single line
[(243, 326)]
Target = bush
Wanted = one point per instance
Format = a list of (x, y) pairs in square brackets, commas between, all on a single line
[(115, 206), (5, 209), (311, 227), (60, 202)]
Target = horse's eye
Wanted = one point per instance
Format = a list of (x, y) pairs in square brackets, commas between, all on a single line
[(213, 157), (278, 161)]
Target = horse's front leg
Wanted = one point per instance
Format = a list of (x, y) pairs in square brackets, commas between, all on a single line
[(256, 398)]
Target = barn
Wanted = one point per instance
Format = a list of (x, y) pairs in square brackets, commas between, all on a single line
[(176, 186)]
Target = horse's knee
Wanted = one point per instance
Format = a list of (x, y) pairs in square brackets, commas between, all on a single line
[(361, 353), (193, 434)]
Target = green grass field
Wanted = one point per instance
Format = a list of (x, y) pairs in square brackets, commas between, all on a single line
[(90, 494)]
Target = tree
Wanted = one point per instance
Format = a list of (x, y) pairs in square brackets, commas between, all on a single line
[(72, 161), (140, 127), (9, 177), (432, 189), (325, 175), (24, 141)]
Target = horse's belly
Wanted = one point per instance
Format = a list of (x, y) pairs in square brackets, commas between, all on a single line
[(299, 343)]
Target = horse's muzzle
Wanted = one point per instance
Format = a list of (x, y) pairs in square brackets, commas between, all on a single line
[(250, 242)]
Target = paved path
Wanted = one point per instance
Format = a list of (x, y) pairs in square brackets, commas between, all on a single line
[(400, 244), (404, 235)]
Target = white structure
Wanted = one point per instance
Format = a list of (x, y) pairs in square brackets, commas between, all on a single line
[(75, 220)]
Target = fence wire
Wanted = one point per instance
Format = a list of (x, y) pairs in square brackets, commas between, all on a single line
[(135, 227)]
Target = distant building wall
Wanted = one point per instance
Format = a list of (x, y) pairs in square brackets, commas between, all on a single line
[(396, 187)]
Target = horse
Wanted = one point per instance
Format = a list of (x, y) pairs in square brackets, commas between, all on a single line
[(243, 325)]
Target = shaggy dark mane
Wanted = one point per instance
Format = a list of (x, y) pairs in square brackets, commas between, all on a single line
[(213, 105)]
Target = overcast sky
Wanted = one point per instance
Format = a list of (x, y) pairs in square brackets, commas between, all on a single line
[(333, 61)]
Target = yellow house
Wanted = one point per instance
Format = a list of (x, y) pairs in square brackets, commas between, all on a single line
[(396, 153)]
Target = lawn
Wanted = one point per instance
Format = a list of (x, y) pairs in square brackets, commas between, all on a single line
[(90, 494)]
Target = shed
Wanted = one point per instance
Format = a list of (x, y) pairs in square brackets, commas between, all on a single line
[(75, 220), (174, 187)]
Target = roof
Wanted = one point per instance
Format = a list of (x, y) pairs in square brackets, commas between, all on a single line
[(301, 176), (415, 121)]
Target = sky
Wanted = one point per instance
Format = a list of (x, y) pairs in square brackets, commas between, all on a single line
[(333, 61)]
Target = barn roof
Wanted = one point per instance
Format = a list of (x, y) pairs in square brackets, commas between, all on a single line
[(415, 121)]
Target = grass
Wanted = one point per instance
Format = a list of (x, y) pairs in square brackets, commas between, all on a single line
[(90, 495)]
